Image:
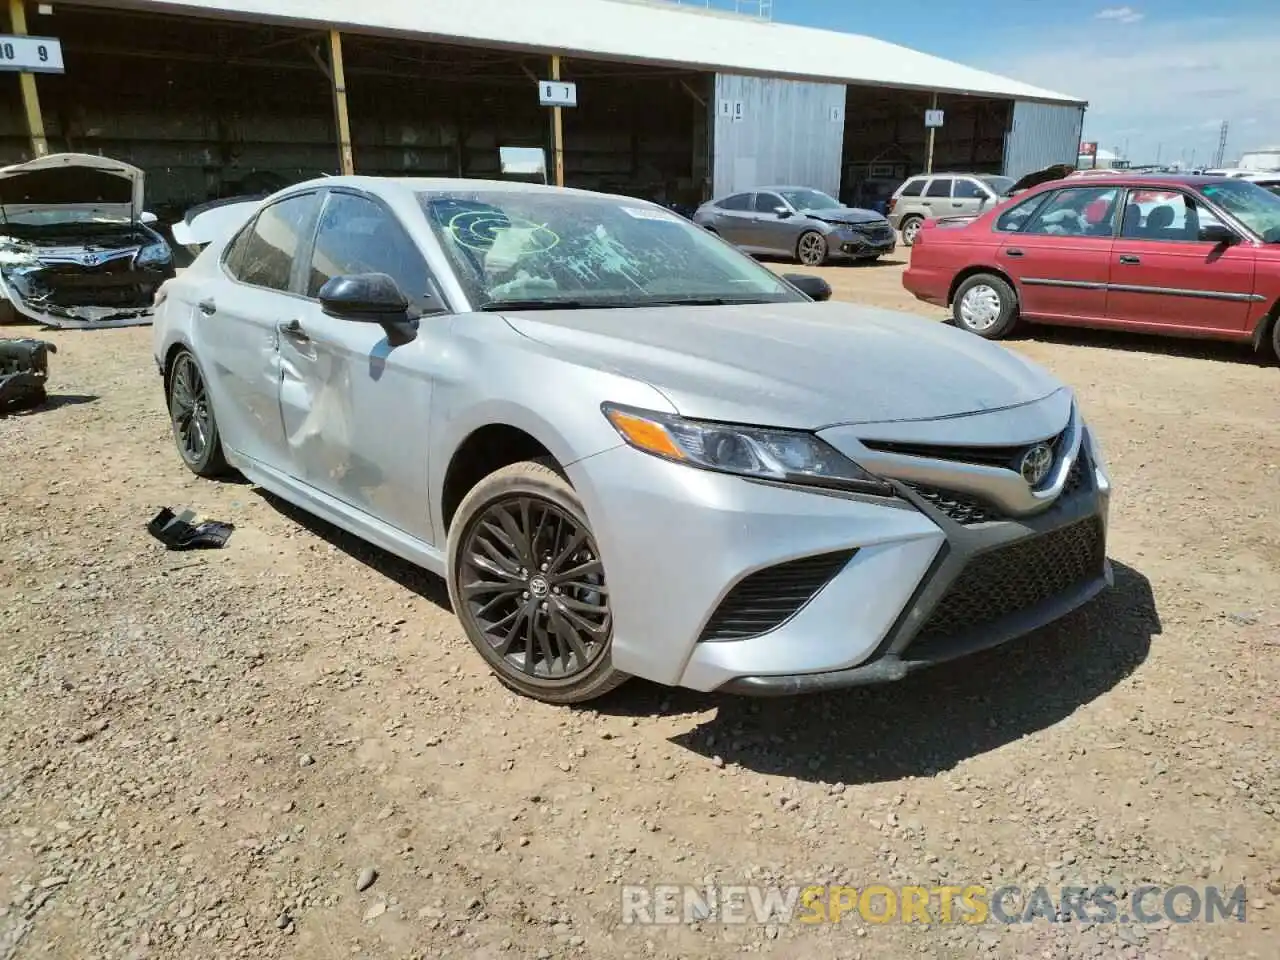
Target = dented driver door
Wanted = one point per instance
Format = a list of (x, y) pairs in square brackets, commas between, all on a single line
[(355, 408)]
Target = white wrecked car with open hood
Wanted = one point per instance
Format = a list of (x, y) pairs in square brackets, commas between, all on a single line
[(76, 249)]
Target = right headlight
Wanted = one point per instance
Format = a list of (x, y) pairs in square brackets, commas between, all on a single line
[(788, 456)]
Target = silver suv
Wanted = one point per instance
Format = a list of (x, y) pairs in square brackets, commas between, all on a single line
[(943, 195)]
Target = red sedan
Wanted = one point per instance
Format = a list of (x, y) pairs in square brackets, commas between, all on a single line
[(1184, 256)]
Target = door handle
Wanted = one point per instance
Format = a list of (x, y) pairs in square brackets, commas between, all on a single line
[(293, 330), (1129, 259), (208, 307), (1014, 252)]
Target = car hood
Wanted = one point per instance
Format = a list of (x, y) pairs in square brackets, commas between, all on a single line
[(844, 215), (1055, 172), (80, 185), (802, 365)]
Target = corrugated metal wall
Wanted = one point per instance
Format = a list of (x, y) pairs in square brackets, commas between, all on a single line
[(770, 131), (1043, 134)]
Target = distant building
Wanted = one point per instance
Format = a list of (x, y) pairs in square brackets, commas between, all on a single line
[(1268, 158), (1106, 159)]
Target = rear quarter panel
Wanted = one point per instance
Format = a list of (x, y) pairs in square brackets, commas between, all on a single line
[(944, 250)]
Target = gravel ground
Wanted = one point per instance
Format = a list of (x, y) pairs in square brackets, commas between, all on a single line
[(286, 748)]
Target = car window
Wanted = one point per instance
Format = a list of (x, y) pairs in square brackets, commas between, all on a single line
[(264, 252), (357, 235), (739, 201), (1077, 212), (968, 190), (1169, 215), (1016, 217), (939, 188), (913, 188), (768, 202)]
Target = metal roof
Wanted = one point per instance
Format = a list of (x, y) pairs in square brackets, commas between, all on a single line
[(609, 30)]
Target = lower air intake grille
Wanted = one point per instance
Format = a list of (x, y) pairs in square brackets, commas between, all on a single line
[(1017, 577), (769, 598), (958, 506)]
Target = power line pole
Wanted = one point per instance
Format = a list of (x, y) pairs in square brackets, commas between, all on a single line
[(1222, 145)]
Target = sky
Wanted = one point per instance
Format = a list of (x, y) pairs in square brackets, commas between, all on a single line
[(1160, 76)]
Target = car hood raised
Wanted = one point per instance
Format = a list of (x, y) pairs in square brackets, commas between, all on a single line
[(88, 186), (802, 365)]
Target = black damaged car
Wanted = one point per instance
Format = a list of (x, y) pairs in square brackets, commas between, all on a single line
[(76, 248)]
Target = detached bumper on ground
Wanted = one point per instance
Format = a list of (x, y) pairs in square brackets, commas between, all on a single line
[(719, 583)]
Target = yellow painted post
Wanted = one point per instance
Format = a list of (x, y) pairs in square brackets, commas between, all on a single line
[(557, 128), (30, 96), (338, 78)]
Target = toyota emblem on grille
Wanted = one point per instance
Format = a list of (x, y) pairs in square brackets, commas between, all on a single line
[(90, 259), (1035, 464)]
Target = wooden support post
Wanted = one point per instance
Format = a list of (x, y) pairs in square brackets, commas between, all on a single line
[(557, 128), (928, 163), (30, 96), (338, 80)]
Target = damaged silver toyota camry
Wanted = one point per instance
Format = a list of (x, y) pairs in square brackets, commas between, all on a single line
[(629, 448), (75, 246)]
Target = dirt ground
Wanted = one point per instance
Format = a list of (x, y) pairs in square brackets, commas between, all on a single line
[(202, 753)]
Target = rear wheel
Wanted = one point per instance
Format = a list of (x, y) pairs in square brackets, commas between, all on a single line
[(910, 228), (985, 305), (195, 430), (527, 582), (811, 249), (1275, 337)]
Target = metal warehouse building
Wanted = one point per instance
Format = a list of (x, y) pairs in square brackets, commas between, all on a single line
[(215, 97)]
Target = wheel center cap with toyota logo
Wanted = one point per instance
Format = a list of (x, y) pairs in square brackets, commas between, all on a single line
[(539, 587), (1035, 464)]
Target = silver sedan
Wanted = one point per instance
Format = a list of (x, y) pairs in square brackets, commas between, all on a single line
[(798, 223), (630, 449)]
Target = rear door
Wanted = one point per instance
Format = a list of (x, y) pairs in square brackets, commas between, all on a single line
[(1163, 275), (235, 330), (735, 218), (1057, 249), (936, 201)]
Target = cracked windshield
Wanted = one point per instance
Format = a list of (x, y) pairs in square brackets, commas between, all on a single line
[(529, 250)]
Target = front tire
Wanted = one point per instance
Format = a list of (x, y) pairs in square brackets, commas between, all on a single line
[(527, 582), (811, 249), (195, 429), (985, 305)]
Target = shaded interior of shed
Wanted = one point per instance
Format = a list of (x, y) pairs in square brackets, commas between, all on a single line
[(211, 108)]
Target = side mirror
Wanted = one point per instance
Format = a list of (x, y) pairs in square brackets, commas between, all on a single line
[(370, 298), (1217, 233), (815, 288), (782, 212), (148, 218)]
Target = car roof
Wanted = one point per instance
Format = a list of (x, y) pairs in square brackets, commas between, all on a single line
[(452, 185), (956, 173), (1132, 180)]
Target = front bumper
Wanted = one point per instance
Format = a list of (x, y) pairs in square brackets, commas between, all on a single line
[(687, 552), (859, 245)]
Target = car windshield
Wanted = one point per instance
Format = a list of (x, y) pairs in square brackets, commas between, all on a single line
[(1001, 185), (538, 249), (1257, 208), (809, 199)]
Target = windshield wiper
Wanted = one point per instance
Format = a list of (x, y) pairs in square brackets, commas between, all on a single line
[(703, 301), (493, 306)]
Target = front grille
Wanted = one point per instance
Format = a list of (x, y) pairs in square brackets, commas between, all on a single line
[(1017, 577), (768, 598), (1076, 477), (1004, 457), (113, 284), (880, 234)]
